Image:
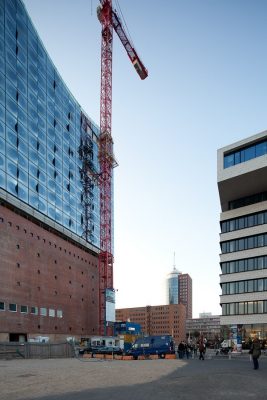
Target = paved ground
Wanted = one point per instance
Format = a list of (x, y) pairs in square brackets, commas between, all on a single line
[(71, 379)]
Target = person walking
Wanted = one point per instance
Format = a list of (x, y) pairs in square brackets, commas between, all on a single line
[(201, 348), (255, 352)]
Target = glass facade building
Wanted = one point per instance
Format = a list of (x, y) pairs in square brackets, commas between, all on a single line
[(173, 287), (44, 133)]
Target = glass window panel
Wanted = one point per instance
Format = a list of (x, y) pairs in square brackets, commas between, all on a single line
[(232, 287), (41, 163), (260, 262), (12, 307), (2, 179), (250, 153), (52, 312), (250, 241), (260, 285), (22, 176), (22, 86), (11, 74), (241, 223), (260, 218), (231, 246), (34, 310), (33, 199), (237, 157), (232, 308), (2, 97), (51, 211), (224, 288), (42, 205), (12, 169), (250, 264), (260, 307), (24, 309), (250, 307), (2, 157), (59, 216), (23, 193), (43, 311), (260, 240), (2, 113), (22, 117), (232, 225), (250, 220), (250, 286), (241, 308), (241, 265), (22, 148), (232, 267), (261, 149), (241, 244), (241, 287)]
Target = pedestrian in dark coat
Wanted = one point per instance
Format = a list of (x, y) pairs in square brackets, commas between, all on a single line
[(201, 348), (256, 352)]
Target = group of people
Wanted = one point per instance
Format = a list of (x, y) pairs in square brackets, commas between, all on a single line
[(187, 350)]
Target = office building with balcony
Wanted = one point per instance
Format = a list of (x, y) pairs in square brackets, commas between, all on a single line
[(242, 185)]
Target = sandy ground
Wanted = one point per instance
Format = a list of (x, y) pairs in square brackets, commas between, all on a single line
[(30, 379)]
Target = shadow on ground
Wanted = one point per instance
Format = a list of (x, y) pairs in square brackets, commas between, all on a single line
[(210, 379)]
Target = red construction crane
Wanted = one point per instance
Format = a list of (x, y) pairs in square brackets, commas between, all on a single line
[(109, 21)]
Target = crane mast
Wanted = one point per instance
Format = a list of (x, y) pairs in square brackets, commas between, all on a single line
[(109, 21)]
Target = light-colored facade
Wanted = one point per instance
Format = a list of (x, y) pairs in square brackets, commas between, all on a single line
[(242, 185), (157, 320), (207, 326)]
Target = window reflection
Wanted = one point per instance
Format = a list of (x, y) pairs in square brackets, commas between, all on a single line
[(246, 154)]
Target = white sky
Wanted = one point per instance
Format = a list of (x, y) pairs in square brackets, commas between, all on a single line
[(206, 89)]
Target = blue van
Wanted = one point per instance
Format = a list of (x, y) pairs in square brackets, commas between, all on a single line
[(147, 345)]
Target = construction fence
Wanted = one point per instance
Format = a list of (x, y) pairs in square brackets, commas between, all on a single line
[(9, 350)]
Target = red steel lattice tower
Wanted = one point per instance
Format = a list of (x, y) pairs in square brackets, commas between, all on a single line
[(109, 20)]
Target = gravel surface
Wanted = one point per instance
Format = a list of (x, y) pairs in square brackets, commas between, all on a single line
[(30, 379)]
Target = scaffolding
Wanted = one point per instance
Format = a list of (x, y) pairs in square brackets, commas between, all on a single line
[(89, 177)]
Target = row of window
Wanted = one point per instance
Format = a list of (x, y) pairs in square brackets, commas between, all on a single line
[(245, 307), (245, 154), (244, 222), (247, 200), (41, 127), (42, 311), (247, 264), (251, 285), (249, 242)]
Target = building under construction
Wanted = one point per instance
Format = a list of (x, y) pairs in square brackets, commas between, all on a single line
[(49, 193)]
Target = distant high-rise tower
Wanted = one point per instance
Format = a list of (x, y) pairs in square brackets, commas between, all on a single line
[(172, 287), (185, 293)]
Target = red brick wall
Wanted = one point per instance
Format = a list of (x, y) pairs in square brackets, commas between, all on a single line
[(157, 320), (39, 268)]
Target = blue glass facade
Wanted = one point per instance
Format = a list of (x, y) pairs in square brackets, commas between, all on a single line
[(173, 287), (42, 131), (245, 154)]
